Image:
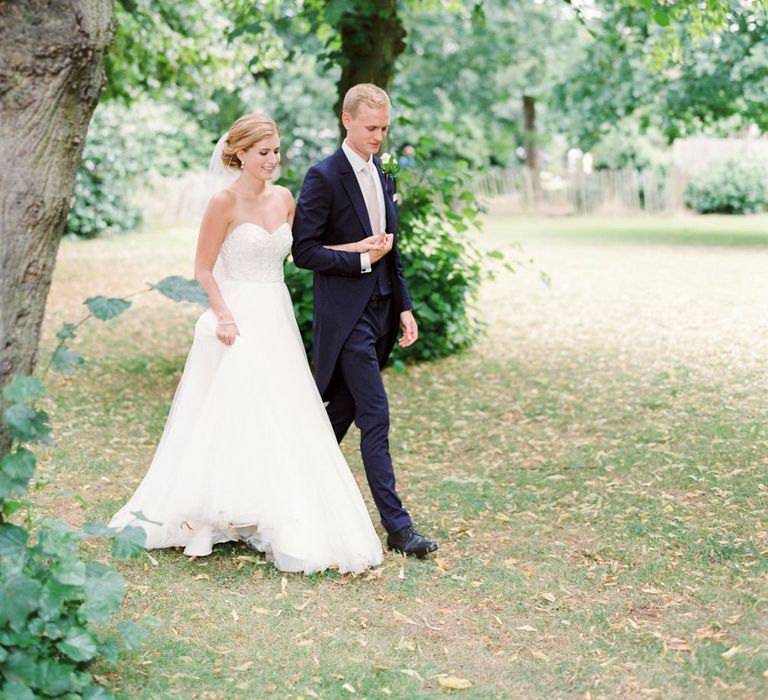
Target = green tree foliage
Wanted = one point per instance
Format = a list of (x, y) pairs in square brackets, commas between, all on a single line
[(127, 146), (714, 69)]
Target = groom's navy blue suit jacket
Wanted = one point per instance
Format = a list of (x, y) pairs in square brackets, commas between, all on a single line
[(331, 211)]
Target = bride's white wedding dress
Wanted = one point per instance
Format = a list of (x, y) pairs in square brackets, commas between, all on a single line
[(248, 452)]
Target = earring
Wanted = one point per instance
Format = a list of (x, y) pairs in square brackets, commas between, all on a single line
[(241, 165)]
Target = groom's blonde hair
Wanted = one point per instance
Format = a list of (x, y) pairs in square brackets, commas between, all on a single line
[(244, 133), (367, 93)]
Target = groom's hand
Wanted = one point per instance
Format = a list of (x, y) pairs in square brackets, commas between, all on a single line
[(410, 329), (385, 246)]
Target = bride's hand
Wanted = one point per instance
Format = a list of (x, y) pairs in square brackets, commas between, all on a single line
[(227, 332)]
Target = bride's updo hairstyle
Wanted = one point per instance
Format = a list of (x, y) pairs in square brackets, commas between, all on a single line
[(245, 132)]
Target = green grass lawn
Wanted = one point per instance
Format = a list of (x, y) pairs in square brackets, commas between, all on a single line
[(678, 230), (601, 501)]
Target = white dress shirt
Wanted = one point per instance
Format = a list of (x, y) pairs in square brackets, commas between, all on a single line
[(359, 165)]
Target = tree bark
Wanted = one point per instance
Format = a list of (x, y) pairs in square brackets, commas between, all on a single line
[(372, 38), (531, 145), (51, 76)]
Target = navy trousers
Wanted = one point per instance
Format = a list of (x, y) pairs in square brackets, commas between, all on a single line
[(357, 393)]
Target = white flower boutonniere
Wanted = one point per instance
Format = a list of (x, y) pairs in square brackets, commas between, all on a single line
[(389, 165)]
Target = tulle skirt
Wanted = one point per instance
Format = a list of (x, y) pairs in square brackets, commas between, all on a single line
[(248, 452)]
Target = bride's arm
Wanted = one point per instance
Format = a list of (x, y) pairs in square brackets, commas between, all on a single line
[(364, 246), (213, 228)]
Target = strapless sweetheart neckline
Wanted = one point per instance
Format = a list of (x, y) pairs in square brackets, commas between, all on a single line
[(261, 228)]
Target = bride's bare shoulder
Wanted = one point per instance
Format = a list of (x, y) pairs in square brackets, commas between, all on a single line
[(222, 202), (283, 192)]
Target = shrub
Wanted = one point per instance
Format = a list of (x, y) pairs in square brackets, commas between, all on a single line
[(50, 599), (442, 266), (126, 145), (729, 187)]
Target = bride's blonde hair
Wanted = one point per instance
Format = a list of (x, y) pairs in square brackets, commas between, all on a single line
[(246, 131)]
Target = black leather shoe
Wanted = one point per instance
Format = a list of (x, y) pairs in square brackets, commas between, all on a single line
[(408, 541)]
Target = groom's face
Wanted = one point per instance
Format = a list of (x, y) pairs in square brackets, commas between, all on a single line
[(367, 129)]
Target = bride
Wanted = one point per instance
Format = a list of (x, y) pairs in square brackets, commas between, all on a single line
[(248, 452)]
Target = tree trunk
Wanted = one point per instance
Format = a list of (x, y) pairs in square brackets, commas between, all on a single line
[(51, 75), (531, 142), (372, 38)]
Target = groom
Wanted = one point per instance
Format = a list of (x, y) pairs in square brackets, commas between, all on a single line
[(361, 296)]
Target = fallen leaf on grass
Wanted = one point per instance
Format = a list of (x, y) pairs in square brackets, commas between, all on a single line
[(731, 652), (441, 563), (454, 683), (301, 606), (348, 688), (677, 644), (410, 672), (432, 627), (540, 655), (260, 611), (234, 614), (403, 618), (527, 628), (549, 597), (503, 517), (201, 577)]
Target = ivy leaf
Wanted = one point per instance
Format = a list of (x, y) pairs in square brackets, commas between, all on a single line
[(104, 589), (97, 530), (24, 389), (65, 360), (16, 469), (128, 542), (79, 644), (18, 598), (53, 678), (105, 308), (13, 541), (132, 633), (661, 17), (18, 691), (70, 572), (109, 648), (96, 692), (181, 289), (27, 424), (67, 331)]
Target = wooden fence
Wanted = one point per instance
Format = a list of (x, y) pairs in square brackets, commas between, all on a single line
[(183, 200), (599, 191)]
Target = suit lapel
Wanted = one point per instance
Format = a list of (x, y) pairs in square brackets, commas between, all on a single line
[(349, 181), (389, 205)]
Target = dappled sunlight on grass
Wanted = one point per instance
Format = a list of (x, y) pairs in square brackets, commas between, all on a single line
[(594, 470)]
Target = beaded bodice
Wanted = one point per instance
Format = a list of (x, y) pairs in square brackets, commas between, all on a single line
[(250, 253)]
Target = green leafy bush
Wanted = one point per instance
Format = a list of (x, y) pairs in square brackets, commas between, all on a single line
[(442, 266), (126, 146), (729, 187), (53, 605)]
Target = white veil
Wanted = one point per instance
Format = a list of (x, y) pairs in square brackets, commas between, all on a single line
[(219, 177)]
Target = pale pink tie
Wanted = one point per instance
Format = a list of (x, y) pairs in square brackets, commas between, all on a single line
[(372, 198)]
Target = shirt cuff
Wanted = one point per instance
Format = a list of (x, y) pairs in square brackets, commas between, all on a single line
[(365, 262)]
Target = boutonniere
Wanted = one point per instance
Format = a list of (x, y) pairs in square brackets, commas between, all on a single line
[(397, 198), (389, 165)]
